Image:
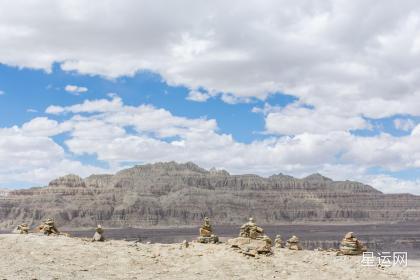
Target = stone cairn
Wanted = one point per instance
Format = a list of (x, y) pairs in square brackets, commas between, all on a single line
[(293, 243), (99, 234), (252, 240), (251, 230), (278, 242), (351, 246), (22, 229), (48, 227), (206, 233)]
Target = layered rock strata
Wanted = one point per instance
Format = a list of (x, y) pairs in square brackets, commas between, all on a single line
[(172, 194)]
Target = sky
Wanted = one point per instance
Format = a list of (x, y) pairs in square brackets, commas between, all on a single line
[(263, 87)]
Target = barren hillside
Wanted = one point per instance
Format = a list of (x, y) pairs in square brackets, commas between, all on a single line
[(172, 194), (41, 257)]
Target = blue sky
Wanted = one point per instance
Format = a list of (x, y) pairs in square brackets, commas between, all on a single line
[(267, 89), (27, 93), (30, 90)]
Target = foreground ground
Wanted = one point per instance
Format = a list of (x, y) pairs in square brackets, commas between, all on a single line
[(41, 257)]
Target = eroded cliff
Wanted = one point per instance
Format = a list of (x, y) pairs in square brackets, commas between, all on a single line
[(171, 194)]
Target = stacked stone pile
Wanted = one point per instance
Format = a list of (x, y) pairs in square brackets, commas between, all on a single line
[(22, 229), (252, 240), (48, 227), (278, 242), (206, 233), (293, 243), (251, 230), (351, 246)]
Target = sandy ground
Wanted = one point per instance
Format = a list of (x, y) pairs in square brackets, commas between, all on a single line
[(40, 257)]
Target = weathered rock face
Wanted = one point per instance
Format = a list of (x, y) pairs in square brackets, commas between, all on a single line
[(68, 181), (183, 194)]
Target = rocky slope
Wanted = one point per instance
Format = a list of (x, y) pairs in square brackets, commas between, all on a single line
[(41, 257), (172, 194)]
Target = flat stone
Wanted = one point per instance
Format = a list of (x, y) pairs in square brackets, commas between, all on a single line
[(246, 244), (348, 235)]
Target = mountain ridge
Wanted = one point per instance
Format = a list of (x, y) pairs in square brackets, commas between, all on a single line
[(181, 194)]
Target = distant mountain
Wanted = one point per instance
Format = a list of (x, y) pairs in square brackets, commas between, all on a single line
[(172, 194)]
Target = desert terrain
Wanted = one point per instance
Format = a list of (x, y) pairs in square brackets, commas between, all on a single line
[(148, 210), (378, 237), (36, 256)]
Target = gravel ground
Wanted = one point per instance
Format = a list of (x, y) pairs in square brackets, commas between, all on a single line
[(36, 256)]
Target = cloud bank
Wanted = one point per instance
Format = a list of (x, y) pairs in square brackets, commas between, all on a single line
[(118, 134), (346, 63), (337, 56)]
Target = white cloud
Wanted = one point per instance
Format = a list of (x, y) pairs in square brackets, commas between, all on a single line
[(267, 108), (75, 89), (88, 107), (117, 133), (295, 119), (197, 96), (404, 124), (390, 184), (157, 135), (25, 151), (2, 92), (42, 126), (34, 158), (302, 48)]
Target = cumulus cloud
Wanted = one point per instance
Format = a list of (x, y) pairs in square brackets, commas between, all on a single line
[(301, 48), (87, 106), (342, 70), (75, 89), (198, 96), (116, 133), (390, 184), (35, 158), (295, 119), (42, 126), (122, 133)]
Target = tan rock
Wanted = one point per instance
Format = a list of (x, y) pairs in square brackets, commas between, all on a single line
[(251, 230), (250, 246), (278, 242), (212, 239), (206, 229), (293, 243), (351, 246), (48, 227), (348, 235), (22, 229), (206, 233)]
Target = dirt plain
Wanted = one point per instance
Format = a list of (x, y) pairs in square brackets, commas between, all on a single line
[(35, 256)]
